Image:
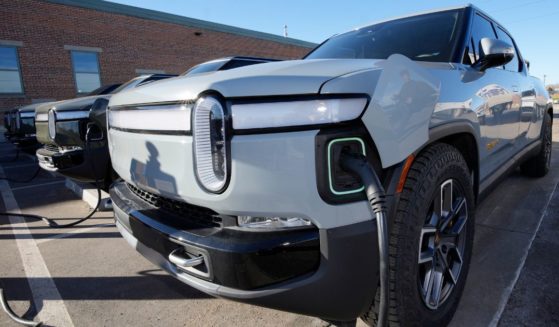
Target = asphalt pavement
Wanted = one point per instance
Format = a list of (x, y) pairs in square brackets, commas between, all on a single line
[(90, 276)]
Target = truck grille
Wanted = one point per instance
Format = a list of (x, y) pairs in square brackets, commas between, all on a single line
[(196, 214)]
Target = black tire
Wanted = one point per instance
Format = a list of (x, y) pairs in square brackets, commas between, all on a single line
[(430, 173), (538, 166)]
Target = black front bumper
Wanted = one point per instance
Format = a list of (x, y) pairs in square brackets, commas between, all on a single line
[(328, 273), (76, 164)]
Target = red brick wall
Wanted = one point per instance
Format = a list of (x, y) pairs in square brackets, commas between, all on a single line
[(127, 43)]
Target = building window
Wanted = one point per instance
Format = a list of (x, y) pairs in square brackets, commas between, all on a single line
[(10, 76), (86, 71)]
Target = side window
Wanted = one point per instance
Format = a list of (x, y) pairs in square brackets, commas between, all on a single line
[(481, 28), (513, 65), (10, 77), (86, 71)]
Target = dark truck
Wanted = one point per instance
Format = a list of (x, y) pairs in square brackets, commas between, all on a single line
[(63, 127)]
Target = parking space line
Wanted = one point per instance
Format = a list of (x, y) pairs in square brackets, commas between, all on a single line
[(508, 291), (37, 185), (73, 232), (48, 302)]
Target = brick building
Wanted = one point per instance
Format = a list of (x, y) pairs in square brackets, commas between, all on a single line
[(58, 49)]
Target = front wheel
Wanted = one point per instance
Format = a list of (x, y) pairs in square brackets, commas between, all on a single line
[(431, 240)]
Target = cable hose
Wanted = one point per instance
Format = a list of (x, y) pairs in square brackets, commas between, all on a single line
[(51, 223), (357, 165), (6, 307)]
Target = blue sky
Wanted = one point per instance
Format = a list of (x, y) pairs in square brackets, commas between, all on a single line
[(533, 23)]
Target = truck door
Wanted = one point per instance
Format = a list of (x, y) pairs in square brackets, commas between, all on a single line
[(527, 92), (499, 114)]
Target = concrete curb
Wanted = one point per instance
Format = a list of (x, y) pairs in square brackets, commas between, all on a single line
[(88, 193)]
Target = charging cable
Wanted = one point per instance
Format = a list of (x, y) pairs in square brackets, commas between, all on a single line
[(357, 165), (52, 223)]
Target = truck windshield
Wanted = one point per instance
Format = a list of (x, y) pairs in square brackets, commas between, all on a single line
[(428, 37)]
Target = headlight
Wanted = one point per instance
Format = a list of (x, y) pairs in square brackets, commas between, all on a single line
[(210, 146), (296, 113), (52, 124), (271, 222)]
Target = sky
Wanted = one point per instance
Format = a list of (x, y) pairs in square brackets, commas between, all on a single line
[(534, 24)]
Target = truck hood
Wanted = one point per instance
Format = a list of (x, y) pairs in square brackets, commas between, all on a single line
[(71, 104), (269, 79)]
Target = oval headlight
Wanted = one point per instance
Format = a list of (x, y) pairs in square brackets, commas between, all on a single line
[(52, 124), (210, 146)]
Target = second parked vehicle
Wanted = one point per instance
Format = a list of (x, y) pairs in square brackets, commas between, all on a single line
[(74, 134)]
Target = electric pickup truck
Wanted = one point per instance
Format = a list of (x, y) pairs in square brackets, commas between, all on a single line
[(73, 133), (235, 181), (22, 125)]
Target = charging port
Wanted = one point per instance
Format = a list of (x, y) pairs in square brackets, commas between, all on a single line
[(340, 181)]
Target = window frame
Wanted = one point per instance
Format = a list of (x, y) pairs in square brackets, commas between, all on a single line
[(11, 70), (520, 67), (75, 72), (469, 39)]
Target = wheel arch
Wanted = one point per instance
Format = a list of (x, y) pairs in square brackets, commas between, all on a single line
[(464, 137)]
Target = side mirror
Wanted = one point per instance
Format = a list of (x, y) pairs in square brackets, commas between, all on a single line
[(527, 64), (494, 53)]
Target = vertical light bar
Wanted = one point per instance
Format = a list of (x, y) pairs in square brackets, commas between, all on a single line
[(210, 148)]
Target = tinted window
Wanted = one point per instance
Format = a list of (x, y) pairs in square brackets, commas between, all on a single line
[(211, 66), (429, 37), (105, 89), (514, 63), (10, 77), (128, 85), (480, 29), (236, 63), (86, 71)]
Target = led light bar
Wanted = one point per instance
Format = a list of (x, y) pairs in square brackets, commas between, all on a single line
[(27, 114), (210, 146), (72, 115), (42, 117), (296, 113), (52, 124), (152, 118)]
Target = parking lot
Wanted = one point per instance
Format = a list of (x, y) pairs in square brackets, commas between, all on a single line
[(89, 276)]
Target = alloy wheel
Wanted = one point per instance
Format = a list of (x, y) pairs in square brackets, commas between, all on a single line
[(442, 244)]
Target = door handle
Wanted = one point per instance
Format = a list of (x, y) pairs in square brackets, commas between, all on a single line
[(515, 88)]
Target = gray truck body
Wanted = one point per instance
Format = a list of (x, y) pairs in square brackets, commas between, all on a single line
[(274, 172)]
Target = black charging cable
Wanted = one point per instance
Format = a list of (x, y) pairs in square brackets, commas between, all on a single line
[(357, 165), (51, 223)]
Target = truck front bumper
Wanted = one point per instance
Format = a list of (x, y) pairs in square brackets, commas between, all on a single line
[(328, 273), (76, 163)]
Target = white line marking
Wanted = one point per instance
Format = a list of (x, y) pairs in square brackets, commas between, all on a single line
[(73, 232), (508, 291), (36, 185), (45, 294)]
